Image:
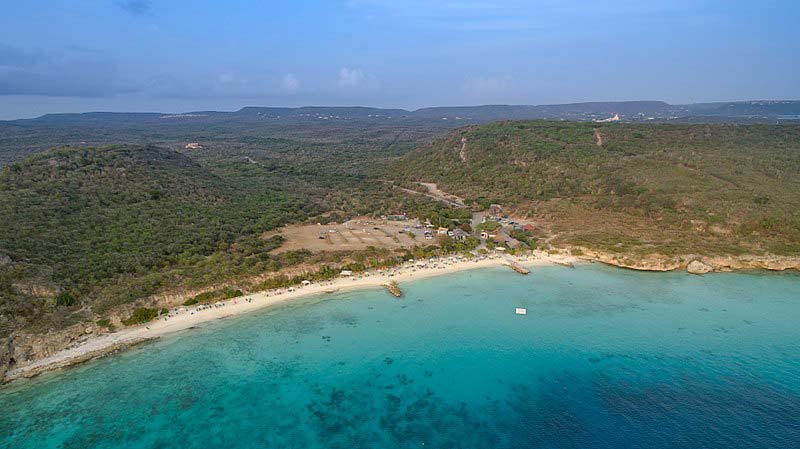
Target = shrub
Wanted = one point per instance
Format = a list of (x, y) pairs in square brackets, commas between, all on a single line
[(106, 323), (65, 300), (141, 315), (489, 226)]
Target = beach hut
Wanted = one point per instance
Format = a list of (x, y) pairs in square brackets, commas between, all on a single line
[(459, 234)]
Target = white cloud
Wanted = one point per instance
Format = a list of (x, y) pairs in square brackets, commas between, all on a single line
[(290, 83), (356, 77), (350, 77)]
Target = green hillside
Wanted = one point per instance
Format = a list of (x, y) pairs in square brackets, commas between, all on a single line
[(87, 229), (102, 226), (649, 188)]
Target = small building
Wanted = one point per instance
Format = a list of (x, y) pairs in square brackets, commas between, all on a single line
[(459, 234), (346, 273), (442, 231), (504, 239), (528, 228)]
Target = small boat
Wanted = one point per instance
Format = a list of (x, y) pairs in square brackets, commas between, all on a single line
[(521, 311)]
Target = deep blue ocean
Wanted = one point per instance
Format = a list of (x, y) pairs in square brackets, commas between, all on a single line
[(605, 358)]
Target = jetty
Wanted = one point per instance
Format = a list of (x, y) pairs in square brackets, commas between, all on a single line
[(518, 267), (393, 289)]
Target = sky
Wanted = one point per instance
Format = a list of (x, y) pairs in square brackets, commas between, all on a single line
[(190, 55)]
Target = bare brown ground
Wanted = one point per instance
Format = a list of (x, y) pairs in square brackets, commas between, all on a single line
[(356, 234)]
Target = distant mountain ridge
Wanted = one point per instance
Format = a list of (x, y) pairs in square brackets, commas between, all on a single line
[(747, 111)]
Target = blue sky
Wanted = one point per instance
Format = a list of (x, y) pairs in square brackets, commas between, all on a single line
[(180, 55)]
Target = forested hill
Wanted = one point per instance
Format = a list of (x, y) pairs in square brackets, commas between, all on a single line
[(98, 227), (667, 188)]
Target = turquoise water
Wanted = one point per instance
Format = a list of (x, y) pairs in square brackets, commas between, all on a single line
[(605, 358)]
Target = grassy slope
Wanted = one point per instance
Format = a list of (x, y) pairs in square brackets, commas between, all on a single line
[(640, 190)]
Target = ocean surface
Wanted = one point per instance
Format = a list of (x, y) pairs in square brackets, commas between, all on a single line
[(605, 358)]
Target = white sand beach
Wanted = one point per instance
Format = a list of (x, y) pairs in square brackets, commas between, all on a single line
[(181, 318)]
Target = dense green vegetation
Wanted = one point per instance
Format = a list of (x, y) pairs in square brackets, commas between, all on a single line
[(141, 315), (118, 218), (89, 229), (214, 295), (86, 229), (670, 188)]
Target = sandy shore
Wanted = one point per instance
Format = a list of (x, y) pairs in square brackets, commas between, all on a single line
[(181, 318)]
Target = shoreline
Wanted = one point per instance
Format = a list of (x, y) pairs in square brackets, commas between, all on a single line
[(182, 317), (185, 317)]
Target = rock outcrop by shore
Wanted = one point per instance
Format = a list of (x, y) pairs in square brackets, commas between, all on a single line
[(23, 348), (6, 356), (83, 358), (660, 262), (651, 262), (698, 267)]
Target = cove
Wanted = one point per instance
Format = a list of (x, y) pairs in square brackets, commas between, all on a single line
[(605, 358)]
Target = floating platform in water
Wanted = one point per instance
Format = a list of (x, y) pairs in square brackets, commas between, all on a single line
[(521, 311)]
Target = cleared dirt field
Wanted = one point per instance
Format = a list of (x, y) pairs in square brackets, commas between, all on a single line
[(353, 235)]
